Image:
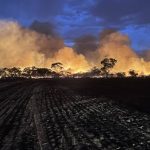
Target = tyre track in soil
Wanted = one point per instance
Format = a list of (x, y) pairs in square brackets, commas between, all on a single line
[(10, 102), (50, 123), (58, 131), (78, 134), (63, 135), (40, 130), (10, 121), (5, 94)]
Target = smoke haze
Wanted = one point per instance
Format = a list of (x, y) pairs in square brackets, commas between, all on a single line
[(40, 46)]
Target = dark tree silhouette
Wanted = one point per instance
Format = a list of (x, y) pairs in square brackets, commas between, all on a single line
[(14, 72), (133, 73), (43, 72), (57, 69), (4, 72), (95, 71), (107, 63), (121, 74), (34, 72), (57, 65), (29, 72)]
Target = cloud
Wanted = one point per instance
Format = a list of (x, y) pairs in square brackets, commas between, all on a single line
[(76, 20), (30, 9), (118, 13), (139, 36)]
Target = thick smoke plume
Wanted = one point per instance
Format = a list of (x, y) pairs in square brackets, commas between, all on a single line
[(52, 42), (23, 47), (117, 45), (40, 46), (86, 43), (19, 46), (72, 61)]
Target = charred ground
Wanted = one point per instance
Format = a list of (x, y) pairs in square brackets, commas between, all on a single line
[(75, 114)]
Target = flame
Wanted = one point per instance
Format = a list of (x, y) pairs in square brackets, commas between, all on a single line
[(22, 47), (117, 46), (71, 60)]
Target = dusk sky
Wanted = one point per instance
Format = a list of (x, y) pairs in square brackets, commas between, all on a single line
[(73, 18)]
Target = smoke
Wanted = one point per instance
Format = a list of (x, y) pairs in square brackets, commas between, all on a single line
[(43, 28), (145, 55), (106, 32), (22, 47), (71, 60), (18, 46), (117, 46), (52, 42), (41, 46), (85, 44)]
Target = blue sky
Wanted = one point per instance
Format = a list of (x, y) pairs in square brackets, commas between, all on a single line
[(74, 18)]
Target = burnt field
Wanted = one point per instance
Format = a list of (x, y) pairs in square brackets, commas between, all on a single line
[(75, 114)]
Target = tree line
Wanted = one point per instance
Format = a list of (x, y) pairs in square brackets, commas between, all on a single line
[(57, 70)]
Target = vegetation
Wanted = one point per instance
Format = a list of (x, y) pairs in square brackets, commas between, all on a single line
[(107, 63), (121, 74), (133, 73), (58, 67), (57, 70)]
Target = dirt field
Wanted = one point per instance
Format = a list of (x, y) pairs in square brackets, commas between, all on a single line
[(74, 114)]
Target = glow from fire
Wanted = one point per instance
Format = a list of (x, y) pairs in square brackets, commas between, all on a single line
[(71, 61), (22, 47), (117, 46)]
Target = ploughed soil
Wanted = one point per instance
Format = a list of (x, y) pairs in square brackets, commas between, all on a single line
[(75, 114)]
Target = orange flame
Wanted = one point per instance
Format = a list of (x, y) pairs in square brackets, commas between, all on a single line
[(21, 47)]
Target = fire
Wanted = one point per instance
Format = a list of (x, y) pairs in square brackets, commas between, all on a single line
[(71, 60), (24, 47), (117, 46), (21, 47)]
